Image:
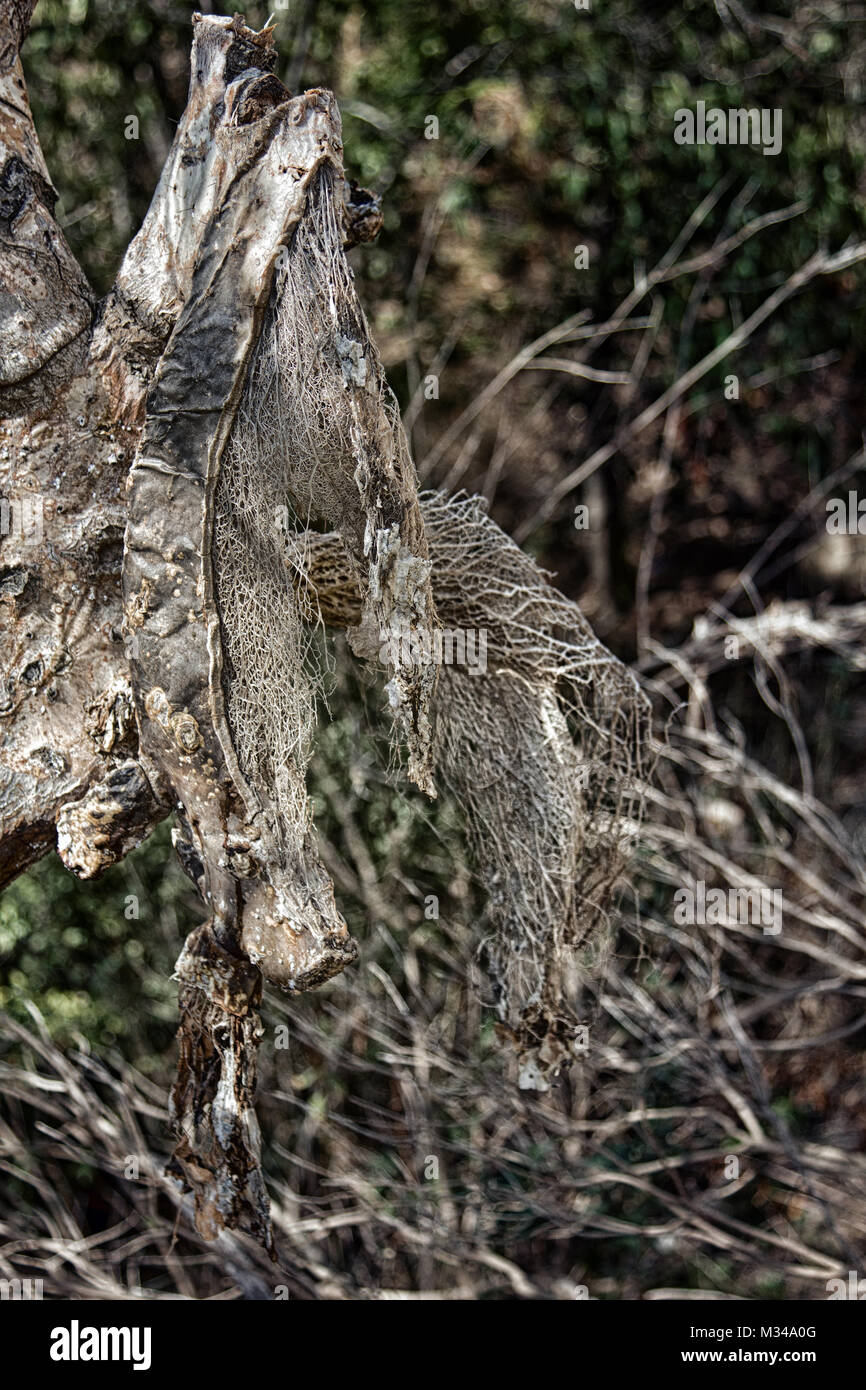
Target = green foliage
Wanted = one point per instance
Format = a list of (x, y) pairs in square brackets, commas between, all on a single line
[(94, 972)]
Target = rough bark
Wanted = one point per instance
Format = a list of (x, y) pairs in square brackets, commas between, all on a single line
[(65, 448)]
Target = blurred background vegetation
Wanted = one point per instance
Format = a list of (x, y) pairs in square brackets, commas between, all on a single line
[(555, 129)]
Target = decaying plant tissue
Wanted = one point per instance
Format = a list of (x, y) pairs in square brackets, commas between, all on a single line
[(252, 402), (268, 490)]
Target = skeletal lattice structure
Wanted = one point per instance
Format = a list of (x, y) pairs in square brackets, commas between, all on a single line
[(268, 391), (231, 414)]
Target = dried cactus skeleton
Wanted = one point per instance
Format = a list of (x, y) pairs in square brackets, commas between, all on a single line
[(545, 749), (234, 355), (268, 388)]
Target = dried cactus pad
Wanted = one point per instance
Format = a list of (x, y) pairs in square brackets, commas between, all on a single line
[(269, 401)]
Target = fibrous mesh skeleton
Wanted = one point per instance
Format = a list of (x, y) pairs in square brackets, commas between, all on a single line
[(268, 416), (545, 750), (317, 435), (269, 676), (299, 450)]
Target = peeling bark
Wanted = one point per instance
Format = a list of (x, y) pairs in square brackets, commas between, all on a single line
[(63, 458), (218, 1156)]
